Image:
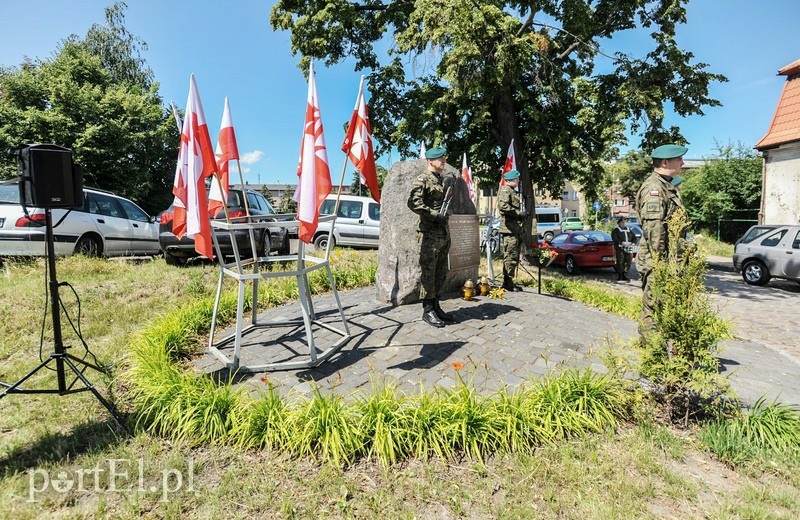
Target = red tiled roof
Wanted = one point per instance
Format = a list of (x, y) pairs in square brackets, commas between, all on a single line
[(785, 126)]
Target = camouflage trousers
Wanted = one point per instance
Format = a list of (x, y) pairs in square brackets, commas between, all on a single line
[(433, 249), (647, 321), (511, 249)]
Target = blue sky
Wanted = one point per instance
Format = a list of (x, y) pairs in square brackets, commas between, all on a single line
[(233, 52)]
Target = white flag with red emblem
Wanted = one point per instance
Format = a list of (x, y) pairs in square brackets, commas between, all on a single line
[(195, 164), (226, 151), (511, 163), (313, 172), (358, 145)]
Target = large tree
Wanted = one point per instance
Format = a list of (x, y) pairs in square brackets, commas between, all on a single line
[(475, 75), (95, 96)]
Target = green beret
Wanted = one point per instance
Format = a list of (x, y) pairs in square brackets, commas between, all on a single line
[(676, 181), (669, 151), (435, 153), (510, 175)]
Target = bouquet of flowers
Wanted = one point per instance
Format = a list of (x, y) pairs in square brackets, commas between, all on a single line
[(544, 256)]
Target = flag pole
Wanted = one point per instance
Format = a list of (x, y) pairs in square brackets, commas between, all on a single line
[(244, 192)]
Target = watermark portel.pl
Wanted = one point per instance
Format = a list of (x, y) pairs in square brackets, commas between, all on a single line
[(111, 476)]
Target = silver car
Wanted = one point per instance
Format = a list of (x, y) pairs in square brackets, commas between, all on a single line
[(358, 222), (768, 251), (106, 225)]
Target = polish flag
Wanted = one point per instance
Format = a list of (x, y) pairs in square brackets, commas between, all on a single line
[(313, 172), (511, 163), (466, 174), (358, 145), (226, 151), (195, 164)]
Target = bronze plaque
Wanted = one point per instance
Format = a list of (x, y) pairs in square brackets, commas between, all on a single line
[(464, 242)]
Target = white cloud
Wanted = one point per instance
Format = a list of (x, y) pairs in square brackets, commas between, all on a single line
[(251, 157)]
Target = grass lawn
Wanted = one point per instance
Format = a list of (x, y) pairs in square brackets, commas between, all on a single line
[(64, 456)]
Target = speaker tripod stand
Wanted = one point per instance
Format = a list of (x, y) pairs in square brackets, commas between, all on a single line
[(63, 360)]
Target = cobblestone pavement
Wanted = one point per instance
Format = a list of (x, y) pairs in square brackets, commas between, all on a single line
[(504, 342)]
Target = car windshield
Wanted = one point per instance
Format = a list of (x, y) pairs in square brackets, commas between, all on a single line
[(596, 236)]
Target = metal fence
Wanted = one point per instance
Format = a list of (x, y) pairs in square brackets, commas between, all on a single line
[(732, 225)]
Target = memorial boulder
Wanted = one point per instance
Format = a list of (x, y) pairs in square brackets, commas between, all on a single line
[(398, 273)]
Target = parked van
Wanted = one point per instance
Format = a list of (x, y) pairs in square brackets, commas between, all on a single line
[(548, 222), (358, 222)]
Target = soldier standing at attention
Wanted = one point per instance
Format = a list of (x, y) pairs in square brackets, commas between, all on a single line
[(511, 227), (425, 199), (657, 200)]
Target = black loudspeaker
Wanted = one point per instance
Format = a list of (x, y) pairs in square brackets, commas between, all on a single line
[(48, 177)]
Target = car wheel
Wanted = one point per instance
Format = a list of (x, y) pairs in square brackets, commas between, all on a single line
[(88, 246), (286, 248), (265, 247), (571, 265), (177, 261), (321, 242), (755, 273), (548, 236)]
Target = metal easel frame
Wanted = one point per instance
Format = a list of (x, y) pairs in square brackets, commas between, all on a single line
[(252, 269)]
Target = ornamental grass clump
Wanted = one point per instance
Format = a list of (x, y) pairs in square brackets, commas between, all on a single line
[(681, 357), (768, 430), (576, 402)]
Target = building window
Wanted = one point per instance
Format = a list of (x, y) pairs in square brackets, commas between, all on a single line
[(619, 202), (565, 195)]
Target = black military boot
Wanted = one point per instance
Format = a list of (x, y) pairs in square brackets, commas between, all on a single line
[(620, 276), (447, 318), (508, 283), (429, 314)]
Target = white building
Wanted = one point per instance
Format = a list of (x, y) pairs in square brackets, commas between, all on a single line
[(780, 148)]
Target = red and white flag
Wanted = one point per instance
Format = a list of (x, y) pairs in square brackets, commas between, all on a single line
[(511, 163), (313, 172), (466, 174), (195, 164), (358, 145), (226, 151)]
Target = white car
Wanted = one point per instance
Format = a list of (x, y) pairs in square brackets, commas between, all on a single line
[(106, 225), (768, 251), (358, 222)]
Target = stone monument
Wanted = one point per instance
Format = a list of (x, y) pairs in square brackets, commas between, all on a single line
[(398, 273)]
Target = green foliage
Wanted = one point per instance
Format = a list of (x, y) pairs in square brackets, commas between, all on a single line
[(723, 187), (89, 99), (475, 75), (707, 245), (596, 295), (628, 173), (356, 188), (768, 430), (288, 205), (682, 356)]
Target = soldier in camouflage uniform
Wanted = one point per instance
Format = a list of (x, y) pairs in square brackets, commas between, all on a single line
[(425, 199), (512, 216), (657, 200)]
